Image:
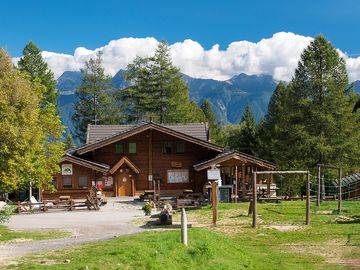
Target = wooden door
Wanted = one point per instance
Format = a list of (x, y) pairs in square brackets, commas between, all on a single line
[(124, 185)]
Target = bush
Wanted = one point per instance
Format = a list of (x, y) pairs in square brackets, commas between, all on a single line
[(5, 213), (148, 207)]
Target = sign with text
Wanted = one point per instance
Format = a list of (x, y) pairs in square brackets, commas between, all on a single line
[(213, 174), (178, 176), (66, 169)]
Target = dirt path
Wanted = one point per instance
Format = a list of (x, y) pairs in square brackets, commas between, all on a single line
[(86, 226)]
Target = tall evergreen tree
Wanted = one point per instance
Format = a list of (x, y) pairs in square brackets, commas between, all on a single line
[(318, 124), (29, 150), (33, 63), (158, 91), (211, 118), (95, 99)]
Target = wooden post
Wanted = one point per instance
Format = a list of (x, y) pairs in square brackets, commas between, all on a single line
[(307, 221), (184, 238), (254, 198), (340, 192), (150, 159), (214, 201), (236, 183), (318, 186), (19, 207), (269, 181), (243, 176)]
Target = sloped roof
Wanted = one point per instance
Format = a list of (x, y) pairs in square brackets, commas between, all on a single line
[(98, 132), (227, 155), (124, 160), (142, 127), (349, 180), (97, 166)]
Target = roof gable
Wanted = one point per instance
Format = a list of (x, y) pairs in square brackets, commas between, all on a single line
[(124, 160)]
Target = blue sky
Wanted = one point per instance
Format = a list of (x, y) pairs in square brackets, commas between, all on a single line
[(62, 26)]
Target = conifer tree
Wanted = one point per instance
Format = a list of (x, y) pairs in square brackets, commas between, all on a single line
[(69, 142), (211, 118), (33, 63), (157, 91), (95, 99)]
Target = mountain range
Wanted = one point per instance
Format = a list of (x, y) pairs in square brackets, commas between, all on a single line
[(228, 98)]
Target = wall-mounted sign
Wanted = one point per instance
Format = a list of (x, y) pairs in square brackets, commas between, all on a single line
[(66, 169), (175, 164), (109, 181), (150, 177), (178, 176)]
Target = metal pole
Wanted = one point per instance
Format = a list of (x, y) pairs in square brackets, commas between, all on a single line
[(307, 222), (318, 186), (184, 238), (254, 201), (340, 192)]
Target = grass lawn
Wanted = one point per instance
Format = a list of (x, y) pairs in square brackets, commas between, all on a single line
[(7, 235), (280, 242)]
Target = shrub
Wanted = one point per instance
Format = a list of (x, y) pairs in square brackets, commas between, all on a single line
[(5, 213)]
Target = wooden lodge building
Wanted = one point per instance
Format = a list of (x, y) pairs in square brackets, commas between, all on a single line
[(126, 160)]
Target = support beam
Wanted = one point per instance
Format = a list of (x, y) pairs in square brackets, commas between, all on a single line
[(318, 197), (340, 192), (254, 199), (150, 176), (268, 182), (307, 220), (236, 183), (214, 202), (243, 176)]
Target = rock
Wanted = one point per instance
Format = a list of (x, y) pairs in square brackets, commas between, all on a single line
[(66, 261)]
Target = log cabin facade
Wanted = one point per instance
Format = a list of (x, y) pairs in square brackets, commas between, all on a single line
[(126, 160)]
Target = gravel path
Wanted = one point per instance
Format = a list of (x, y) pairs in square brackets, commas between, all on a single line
[(86, 226)]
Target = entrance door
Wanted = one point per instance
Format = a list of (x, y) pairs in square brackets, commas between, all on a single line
[(124, 185)]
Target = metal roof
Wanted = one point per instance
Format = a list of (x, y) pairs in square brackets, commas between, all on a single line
[(348, 180), (99, 132)]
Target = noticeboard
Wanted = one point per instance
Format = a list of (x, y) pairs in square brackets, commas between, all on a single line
[(213, 174)]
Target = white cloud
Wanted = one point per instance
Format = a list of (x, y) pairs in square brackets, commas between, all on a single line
[(277, 56)]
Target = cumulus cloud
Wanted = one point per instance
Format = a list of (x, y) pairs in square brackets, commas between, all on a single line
[(277, 56)]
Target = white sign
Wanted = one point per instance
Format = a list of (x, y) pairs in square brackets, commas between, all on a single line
[(150, 177), (213, 174), (66, 169), (108, 181), (178, 176)]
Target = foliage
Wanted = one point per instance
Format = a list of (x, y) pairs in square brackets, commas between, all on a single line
[(157, 91), (311, 120), (95, 99), (5, 213), (211, 118), (243, 137), (69, 142), (33, 63), (29, 148), (148, 207)]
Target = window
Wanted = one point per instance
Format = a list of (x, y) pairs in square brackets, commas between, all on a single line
[(83, 181), (180, 147), (167, 148), (132, 148), (54, 183), (66, 181), (119, 148)]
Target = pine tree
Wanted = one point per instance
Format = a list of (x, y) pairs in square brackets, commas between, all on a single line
[(211, 118), (95, 99), (313, 122), (69, 142), (28, 150), (33, 63), (157, 91)]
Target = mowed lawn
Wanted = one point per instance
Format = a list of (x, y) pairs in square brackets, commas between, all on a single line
[(7, 235), (281, 241)]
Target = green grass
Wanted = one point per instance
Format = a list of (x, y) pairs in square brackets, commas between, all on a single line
[(331, 242), (7, 235)]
